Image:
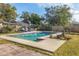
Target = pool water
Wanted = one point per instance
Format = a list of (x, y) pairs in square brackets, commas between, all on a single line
[(32, 36)]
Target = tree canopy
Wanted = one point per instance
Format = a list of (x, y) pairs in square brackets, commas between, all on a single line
[(33, 18), (7, 12), (58, 15), (55, 15), (25, 16)]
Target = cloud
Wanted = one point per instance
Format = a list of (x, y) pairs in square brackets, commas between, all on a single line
[(75, 16), (74, 12), (43, 5)]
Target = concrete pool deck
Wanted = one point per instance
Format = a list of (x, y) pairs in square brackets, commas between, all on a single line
[(46, 44), (14, 50)]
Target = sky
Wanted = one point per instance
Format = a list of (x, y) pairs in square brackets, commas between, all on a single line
[(39, 8)]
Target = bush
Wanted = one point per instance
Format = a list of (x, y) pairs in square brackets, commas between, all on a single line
[(6, 29), (9, 28)]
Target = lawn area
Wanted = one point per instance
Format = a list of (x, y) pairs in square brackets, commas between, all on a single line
[(70, 48), (9, 33)]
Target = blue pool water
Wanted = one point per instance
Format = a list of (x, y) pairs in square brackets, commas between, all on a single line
[(32, 36)]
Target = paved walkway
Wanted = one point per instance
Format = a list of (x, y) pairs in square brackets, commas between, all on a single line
[(13, 50)]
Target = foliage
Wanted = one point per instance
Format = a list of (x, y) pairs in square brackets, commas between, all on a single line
[(25, 16), (33, 19), (10, 28), (7, 12), (55, 15), (58, 15)]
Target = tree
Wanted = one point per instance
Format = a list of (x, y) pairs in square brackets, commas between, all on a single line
[(35, 19), (7, 12), (58, 15), (26, 17)]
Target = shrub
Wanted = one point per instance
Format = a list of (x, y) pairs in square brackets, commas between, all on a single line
[(10, 28)]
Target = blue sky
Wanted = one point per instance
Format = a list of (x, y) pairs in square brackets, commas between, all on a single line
[(30, 7), (39, 8)]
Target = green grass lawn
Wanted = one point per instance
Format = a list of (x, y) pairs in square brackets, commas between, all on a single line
[(70, 48), (9, 33)]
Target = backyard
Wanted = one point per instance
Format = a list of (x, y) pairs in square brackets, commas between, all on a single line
[(70, 48), (34, 34)]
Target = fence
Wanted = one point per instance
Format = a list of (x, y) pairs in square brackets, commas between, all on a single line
[(73, 28)]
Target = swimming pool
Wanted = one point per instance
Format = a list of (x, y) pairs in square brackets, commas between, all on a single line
[(32, 36)]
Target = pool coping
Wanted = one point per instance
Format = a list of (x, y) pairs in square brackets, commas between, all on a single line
[(29, 42)]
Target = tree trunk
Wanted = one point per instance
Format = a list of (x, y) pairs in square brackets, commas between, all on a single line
[(63, 34)]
